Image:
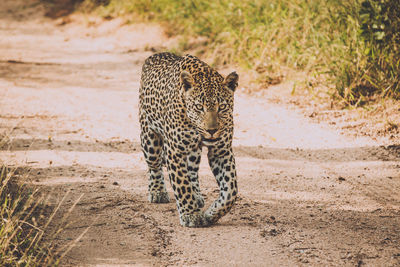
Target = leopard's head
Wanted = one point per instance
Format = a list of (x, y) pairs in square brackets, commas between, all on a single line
[(209, 102)]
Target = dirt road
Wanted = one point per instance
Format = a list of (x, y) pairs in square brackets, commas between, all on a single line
[(308, 195)]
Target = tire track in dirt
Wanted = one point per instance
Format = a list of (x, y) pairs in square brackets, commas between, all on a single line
[(308, 196)]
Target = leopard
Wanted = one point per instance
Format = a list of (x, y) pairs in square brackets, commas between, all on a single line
[(184, 106)]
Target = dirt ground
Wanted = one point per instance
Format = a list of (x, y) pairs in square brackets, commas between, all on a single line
[(309, 195)]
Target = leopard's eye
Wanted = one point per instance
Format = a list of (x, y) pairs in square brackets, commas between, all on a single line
[(199, 107), (222, 107)]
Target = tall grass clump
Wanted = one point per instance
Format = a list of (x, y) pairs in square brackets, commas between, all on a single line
[(29, 225), (351, 45), (20, 233)]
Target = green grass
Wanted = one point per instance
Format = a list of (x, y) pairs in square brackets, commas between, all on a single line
[(334, 41)]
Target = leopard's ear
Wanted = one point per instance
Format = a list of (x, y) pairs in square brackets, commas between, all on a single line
[(187, 80), (231, 81)]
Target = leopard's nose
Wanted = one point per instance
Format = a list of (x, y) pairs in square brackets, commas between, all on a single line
[(212, 131)]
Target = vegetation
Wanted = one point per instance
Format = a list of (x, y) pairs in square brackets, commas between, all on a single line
[(380, 33), (25, 217), (23, 220), (20, 214), (353, 45)]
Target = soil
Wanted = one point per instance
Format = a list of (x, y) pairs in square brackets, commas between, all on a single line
[(309, 194)]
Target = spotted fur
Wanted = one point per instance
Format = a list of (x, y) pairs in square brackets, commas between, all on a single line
[(184, 105)]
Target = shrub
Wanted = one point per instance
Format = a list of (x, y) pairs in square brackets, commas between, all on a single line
[(380, 31)]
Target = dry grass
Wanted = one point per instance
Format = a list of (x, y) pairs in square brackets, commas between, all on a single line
[(26, 238), (22, 214)]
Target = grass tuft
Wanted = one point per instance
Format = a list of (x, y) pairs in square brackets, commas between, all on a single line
[(26, 238), (21, 215)]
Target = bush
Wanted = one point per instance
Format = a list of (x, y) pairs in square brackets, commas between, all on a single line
[(380, 32)]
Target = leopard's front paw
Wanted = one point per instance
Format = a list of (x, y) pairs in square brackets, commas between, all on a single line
[(158, 197), (197, 219), (199, 200)]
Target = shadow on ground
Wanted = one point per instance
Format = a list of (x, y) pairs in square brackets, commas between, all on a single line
[(59, 8)]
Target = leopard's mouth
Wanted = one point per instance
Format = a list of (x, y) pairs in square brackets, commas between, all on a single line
[(210, 140)]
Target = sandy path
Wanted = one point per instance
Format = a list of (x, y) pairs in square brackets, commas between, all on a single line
[(308, 196)]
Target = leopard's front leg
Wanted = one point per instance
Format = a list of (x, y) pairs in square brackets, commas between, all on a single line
[(222, 163), (186, 196), (193, 162)]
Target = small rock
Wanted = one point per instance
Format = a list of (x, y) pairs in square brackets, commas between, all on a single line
[(273, 232), (115, 183), (341, 179)]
